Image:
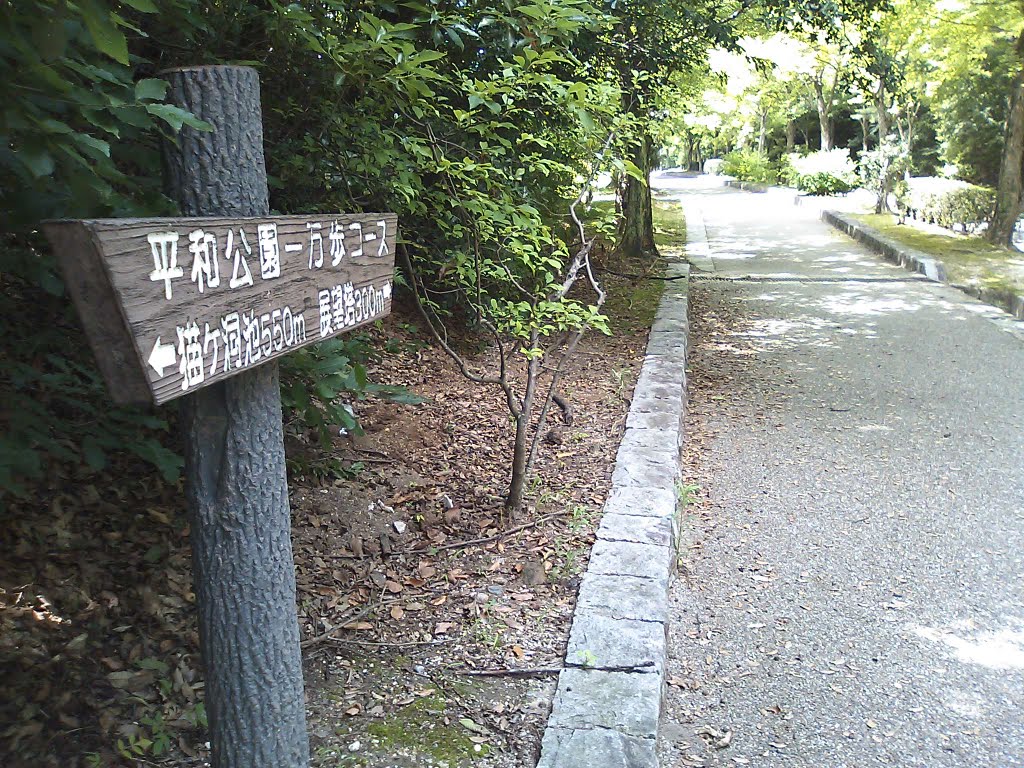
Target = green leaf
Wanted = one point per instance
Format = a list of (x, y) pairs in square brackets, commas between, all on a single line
[(87, 142), (454, 37), (151, 89), (38, 161), (144, 6), (176, 117), (104, 32), (50, 38), (634, 171)]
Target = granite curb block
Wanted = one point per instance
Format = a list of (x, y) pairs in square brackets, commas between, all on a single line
[(930, 267), (609, 696), (893, 251), (747, 186)]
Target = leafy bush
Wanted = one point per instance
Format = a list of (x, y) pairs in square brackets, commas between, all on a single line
[(318, 381), (826, 172), (713, 166), (949, 203), (749, 165), (882, 171)]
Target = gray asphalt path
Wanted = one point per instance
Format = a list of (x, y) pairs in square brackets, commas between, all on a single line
[(853, 589)]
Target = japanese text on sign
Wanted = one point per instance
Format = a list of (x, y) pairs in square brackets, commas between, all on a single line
[(187, 302)]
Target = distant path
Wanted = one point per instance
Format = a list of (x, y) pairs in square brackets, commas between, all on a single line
[(854, 593)]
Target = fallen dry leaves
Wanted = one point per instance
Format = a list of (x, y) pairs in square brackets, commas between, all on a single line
[(97, 624)]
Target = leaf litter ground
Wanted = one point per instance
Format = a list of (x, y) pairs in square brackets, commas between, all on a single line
[(431, 634)]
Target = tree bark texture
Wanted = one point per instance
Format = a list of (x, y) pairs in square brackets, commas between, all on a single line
[(636, 229), (824, 105), (790, 136), (1009, 189), (221, 172), (236, 484), (882, 111)]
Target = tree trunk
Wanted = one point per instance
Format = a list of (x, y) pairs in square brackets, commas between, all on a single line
[(520, 454), (236, 486), (762, 131), (790, 136), (881, 112), (1008, 190), (636, 228), (824, 106), (865, 131)]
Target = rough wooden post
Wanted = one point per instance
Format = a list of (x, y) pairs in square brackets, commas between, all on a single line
[(234, 462)]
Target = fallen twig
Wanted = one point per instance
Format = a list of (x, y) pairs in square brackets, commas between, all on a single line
[(486, 539), (632, 276), (526, 672), (370, 460), (351, 620), (385, 644), (539, 671)]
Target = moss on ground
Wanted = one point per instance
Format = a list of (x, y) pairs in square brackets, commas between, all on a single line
[(969, 260), (633, 294), (421, 727)]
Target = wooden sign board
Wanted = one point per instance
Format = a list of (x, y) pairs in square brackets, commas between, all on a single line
[(172, 305)]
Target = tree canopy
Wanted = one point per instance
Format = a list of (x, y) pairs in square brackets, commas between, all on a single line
[(477, 122)]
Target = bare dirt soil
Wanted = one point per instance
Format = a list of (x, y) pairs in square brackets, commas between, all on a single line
[(432, 628)]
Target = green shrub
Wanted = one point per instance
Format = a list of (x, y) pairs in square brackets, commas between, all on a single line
[(750, 165), (826, 172), (949, 203), (882, 171), (823, 184)]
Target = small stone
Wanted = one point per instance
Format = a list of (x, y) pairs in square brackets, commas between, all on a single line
[(400, 526), (533, 573), (495, 589), (355, 746), (481, 597)]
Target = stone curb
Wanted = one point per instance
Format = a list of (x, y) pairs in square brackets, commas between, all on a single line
[(916, 261), (747, 186), (609, 697)]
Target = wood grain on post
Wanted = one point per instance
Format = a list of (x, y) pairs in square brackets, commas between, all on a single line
[(235, 466), (172, 305)]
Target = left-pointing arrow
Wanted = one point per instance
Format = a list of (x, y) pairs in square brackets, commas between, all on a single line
[(161, 357)]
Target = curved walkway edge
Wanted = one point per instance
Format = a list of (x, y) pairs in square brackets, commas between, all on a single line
[(609, 697), (917, 261)]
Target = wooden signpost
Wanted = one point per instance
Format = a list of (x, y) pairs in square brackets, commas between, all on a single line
[(171, 305), (202, 307)]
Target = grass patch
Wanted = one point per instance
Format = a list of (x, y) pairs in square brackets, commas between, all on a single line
[(669, 226), (969, 260), (421, 728), (633, 295)]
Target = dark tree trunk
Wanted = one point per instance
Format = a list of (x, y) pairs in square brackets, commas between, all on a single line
[(244, 574), (1009, 188), (762, 131), (520, 454), (865, 132), (790, 136), (636, 228)]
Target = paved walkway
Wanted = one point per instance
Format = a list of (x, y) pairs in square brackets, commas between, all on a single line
[(854, 593)]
